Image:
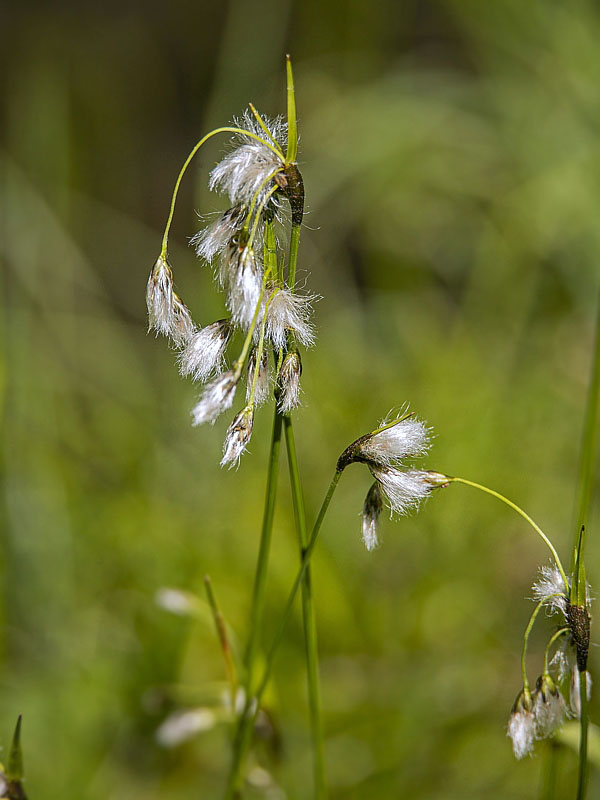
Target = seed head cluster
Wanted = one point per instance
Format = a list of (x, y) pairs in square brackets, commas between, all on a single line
[(267, 313)]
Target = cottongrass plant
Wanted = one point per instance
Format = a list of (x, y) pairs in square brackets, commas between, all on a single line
[(244, 247)]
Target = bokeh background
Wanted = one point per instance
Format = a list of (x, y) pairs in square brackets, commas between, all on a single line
[(451, 157)]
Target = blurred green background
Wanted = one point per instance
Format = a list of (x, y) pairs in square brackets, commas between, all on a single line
[(451, 158)]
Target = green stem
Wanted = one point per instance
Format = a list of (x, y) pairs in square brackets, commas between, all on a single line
[(583, 736), (309, 619), (259, 592), (246, 720), (292, 144), (522, 513)]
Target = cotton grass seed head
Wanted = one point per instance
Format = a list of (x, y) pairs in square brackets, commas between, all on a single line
[(166, 312), (405, 489), (203, 354), (289, 312), (244, 288), (548, 707), (550, 587), (237, 437), (370, 516), (216, 398), (289, 382), (395, 441), (248, 168), (214, 239), (522, 725)]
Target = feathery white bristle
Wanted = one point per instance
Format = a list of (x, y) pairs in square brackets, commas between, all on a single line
[(404, 489), (288, 311), (289, 382), (370, 517), (203, 354), (216, 398), (407, 437), (237, 437)]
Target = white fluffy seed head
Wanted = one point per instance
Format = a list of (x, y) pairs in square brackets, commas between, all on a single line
[(288, 311), (404, 489), (214, 239), (551, 582), (243, 171), (388, 446), (244, 289), (182, 725), (289, 382), (216, 398), (203, 354), (370, 516), (549, 707), (262, 391), (159, 297), (166, 312), (237, 437), (521, 725)]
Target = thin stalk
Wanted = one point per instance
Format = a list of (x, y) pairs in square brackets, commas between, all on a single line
[(259, 591), (522, 513), (223, 639), (583, 736), (309, 619), (246, 721)]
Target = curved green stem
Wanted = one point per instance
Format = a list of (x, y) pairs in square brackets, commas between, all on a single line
[(309, 619), (522, 513), (246, 720), (197, 146)]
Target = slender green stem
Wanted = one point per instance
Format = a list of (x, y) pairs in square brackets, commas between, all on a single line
[(186, 164), (588, 440), (259, 592), (246, 720), (522, 513), (583, 736), (223, 639), (309, 618)]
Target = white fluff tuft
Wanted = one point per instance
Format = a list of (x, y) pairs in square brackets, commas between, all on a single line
[(213, 240), (549, 583), (289, 382), (237, 437), (387, 447), (166, 312), (370, 517), (404, 489), (216, 398), (203, 354), (288, 311)]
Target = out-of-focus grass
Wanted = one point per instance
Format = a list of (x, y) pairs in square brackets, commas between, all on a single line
[(451, 162)]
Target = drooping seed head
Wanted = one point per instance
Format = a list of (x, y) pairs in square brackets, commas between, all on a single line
[(247, 168), (405, 489), (237, 437), (166, 312), (522, 725), (244, 288), (214, 239), (183, 725), (289, 312), (203, 355), (216, 398), (548, 707), (370, 516), (289, 382)]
